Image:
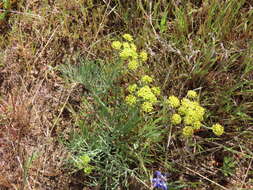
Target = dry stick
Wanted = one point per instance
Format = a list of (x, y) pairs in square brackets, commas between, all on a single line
[(205, 178), (100, 26), (244, 179), (64, 105), (48, 41), (22, 13)]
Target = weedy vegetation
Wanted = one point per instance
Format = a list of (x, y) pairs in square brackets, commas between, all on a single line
[(118, 94)]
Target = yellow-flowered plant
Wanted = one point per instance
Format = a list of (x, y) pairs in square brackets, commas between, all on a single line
[(218, 129), (186, 111)]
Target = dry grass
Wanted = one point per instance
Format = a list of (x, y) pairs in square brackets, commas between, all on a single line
[(190, 50)]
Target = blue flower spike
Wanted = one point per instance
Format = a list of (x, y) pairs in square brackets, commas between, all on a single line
[(159, 181)]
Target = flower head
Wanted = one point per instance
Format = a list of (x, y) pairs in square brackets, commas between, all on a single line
[(176, 119), (196, 125), (156, 90), (143, 56), (188, 131), (133, 46), (146, 93), (133, 64), (147, 107), (116, 45), (126, 45), (131, 100), (146, 79), (173, 101), (132, 88), (192, 94), (128, 52), (128, 37), (218, 129), (159, 181)]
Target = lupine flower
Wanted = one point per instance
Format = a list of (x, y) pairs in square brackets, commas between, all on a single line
[(218, 129), (159, 181)]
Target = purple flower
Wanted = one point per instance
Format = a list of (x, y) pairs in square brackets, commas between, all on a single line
[(159, 181)]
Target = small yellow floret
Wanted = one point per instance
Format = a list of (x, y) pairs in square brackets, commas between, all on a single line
[(196, 125), (176, 119), (128, 37), (147, 107), (131, 100), (146, 79), (156, 90), (188, 131), (132, 88), (126, 45), (133, 46), (173, 101), (116, 45), (143, 56), (218, 129), (133, 65), (192, 94)]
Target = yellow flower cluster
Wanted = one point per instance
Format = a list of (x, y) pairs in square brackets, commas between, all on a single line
[(147, 94), (176, 119), (188, 131), (143, 56), (144, 94), (173, 101), (218, 129), (131, 100), (128, 37), (128, 51), (132, 88), (192, 94), (191, 112), (147, 107), (156, 90), (146, 79)]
